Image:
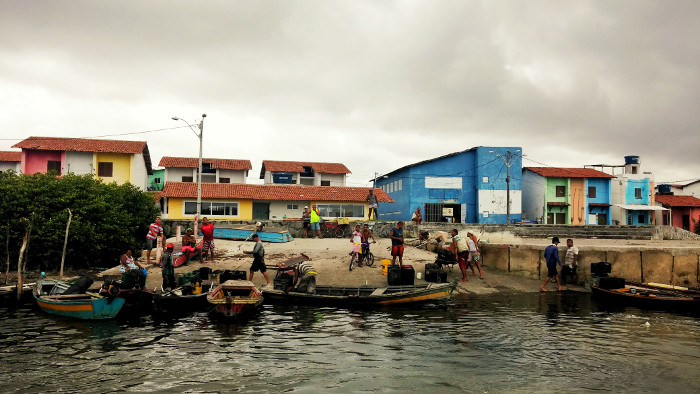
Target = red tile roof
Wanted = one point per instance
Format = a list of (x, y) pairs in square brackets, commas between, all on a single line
[(10, 156), (271, 192), (193, 162), (678, 201), (298, 166), (82, 145), (559, 172)]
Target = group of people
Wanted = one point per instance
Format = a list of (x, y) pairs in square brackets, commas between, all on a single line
[(467, 253), (304, 272), (360, 241), (551, 256)]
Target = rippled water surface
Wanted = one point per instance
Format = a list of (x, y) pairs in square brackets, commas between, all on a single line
[(503, 343)]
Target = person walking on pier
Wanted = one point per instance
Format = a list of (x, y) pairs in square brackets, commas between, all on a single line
[(570, 263), (474, 254), (551, 256), (258, 253)]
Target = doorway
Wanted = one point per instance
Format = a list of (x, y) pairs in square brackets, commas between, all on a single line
[(261, 211), (686, 222)]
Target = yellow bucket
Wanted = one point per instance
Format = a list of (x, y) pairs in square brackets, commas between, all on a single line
[(385, 264)]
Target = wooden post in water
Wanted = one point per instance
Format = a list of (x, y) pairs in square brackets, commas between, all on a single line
[(21, 262), (65, 243)]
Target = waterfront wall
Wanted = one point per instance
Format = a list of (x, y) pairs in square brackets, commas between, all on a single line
[(676, 266)]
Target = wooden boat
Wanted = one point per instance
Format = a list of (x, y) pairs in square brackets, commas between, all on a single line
[(246, 232), (365, 295), (50, 297), (181, 300), (138, 300), (235, 300), (651, 295)]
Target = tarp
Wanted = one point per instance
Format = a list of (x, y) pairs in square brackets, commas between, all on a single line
[(640, 207)]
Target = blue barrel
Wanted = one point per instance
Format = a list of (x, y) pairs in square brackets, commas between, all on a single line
[(631, 159), (664, 188)]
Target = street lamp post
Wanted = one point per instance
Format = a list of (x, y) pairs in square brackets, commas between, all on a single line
[(199, 174), (508, 163)]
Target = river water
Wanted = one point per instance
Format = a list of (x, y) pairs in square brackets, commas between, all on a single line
[(498, 343)]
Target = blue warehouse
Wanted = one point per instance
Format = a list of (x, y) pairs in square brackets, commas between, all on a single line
[(462, 187)]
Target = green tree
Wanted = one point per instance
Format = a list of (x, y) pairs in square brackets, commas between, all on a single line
[(107, 218)]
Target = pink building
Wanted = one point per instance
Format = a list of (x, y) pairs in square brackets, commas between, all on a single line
[(684, 211)]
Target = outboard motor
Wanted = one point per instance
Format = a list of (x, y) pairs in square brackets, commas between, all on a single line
[(80, 286)]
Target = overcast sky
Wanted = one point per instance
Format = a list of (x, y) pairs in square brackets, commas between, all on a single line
[(372, 84)]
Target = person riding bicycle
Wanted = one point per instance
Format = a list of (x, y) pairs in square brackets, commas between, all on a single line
[(356, 240), (366, 235)]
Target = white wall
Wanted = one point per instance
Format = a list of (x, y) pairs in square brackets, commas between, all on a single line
[(139, 173), (533, 196), (9, 165), (175, 174), (618, 188), (495, 201), (278, 209), (79, 163), (237, 176), (335, 179)]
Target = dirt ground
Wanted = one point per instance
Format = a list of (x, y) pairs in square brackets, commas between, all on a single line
[(330, 259)]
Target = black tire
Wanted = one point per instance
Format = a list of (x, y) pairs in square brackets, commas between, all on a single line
[(369, 259), (339, 232), (353, 262)]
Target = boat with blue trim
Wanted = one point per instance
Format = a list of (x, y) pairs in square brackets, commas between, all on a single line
[(72, 300)]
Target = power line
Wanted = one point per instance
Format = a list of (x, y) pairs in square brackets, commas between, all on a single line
[(111, 135)]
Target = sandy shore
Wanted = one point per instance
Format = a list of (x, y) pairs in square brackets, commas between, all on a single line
[(330, 258)]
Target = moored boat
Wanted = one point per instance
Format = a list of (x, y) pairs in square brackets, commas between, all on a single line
[(244, 232), (649, 295), (365, 295), (63, 299), (181, 300), (235, 300)]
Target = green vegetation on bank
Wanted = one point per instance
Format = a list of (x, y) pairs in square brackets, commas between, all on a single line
[(107, 219)]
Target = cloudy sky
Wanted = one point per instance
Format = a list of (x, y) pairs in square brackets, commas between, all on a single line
[(372, 84)]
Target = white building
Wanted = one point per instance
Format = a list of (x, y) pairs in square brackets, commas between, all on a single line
[(303, 173), (184, 169)]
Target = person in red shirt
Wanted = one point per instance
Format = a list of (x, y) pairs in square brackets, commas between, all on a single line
[(207, 230)]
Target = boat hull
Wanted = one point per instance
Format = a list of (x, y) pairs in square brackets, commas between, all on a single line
[(96, 309), (235, 300), (365, 296), (242, 233), (650, 297)]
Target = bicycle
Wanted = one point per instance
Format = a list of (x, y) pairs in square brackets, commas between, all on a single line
[(355, 258), (333, 229), (365, 255)]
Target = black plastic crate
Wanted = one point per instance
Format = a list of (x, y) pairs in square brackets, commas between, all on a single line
[(408, 275), (435, 274), (394, 275), (282, 281), (602, 268), (610, 282)]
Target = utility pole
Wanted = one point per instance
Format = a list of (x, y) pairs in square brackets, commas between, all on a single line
[(507, 160)]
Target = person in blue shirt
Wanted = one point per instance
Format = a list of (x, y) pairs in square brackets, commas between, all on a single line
[(551, 256), (396, 236)]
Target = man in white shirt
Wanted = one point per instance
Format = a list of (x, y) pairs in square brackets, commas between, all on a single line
[(570, 263)]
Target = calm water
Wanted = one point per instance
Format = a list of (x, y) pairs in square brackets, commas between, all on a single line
[(504, 343)]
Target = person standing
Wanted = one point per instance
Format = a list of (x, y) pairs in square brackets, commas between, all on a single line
[(155, 230), (258, 253), (570, 262), (474, 254), (417, 216), (461, 251), (207, 230), (396, 236), (306, 219), (168, 270), (373, 205), (315, 221), (551, 256)]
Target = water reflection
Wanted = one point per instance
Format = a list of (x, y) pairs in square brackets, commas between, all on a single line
[(525, 342)]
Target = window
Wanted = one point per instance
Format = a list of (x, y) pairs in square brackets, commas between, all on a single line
[(187, 179), (561, 191), (341, 210), (325, 183), (638, 193), (485, 180), (224, 180), (53, 165), (156, 180), (206, 169), (400, 184), (219, 208), (391, 187), (591, 191), (104, 169), (292, 206)]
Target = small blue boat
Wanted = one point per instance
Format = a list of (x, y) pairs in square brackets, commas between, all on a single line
[(56, 297), (246, 232)]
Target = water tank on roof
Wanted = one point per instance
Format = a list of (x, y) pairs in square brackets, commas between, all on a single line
[(632, 160)]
